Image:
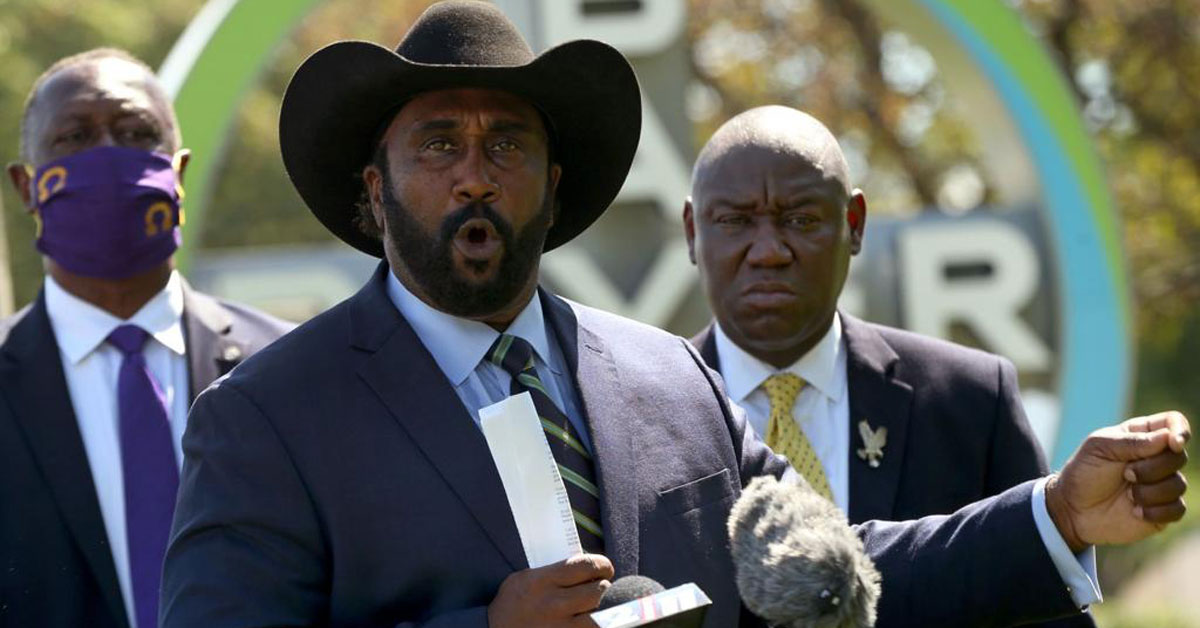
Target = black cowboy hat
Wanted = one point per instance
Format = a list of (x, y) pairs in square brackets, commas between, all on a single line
[(339, 98)]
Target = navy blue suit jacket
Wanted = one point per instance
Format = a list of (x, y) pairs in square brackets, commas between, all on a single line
[(957, 432), (335, 479), (55, 565)]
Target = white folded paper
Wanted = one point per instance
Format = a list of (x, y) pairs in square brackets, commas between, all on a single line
[(536, 495)]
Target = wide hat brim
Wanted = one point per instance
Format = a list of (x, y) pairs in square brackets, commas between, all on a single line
[(339, 98)]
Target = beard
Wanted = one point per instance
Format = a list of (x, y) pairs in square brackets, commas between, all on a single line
[(429, 258)]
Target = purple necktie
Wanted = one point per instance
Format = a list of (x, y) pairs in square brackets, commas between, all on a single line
[(148, 464)]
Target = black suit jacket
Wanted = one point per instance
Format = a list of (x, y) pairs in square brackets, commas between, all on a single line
[(55, 565), (957, 432), (336, 479)]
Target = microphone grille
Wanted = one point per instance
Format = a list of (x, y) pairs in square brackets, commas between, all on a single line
[(629, 588)]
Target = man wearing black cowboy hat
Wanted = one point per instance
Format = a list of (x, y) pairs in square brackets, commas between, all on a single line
[(340, 478)]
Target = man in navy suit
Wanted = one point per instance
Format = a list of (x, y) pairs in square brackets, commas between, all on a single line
[(87, 490), (772, 223), (339, 477)]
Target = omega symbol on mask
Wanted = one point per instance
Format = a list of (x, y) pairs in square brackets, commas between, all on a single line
[(45, 188), (159, 212)]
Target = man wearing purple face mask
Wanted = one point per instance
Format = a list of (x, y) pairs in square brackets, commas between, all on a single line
[(97, 374)]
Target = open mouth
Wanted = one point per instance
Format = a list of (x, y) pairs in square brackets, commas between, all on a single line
[(477, 240)]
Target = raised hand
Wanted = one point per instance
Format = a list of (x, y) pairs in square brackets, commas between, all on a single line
[(1123, 483)]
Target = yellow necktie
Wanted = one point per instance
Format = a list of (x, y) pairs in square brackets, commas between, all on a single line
[(785, 437)]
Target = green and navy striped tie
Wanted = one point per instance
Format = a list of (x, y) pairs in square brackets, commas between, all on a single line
[(515, 356)]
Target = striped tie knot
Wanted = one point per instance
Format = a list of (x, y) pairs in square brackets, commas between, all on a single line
[(513, 354)]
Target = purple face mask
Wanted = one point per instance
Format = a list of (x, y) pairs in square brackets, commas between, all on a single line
[(109, 212)]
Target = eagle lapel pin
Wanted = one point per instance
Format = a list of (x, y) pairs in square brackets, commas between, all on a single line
[(873, 443)]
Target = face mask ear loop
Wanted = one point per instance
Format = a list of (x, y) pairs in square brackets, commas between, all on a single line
[(37, 206), (177, 166), (32, 174)]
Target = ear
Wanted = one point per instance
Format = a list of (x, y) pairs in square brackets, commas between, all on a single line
[(373, 179), (689, 228), (856, 217), (22, 181)]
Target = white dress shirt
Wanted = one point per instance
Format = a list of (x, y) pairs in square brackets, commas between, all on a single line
[(459, 346), (91, 367), (822, 410)]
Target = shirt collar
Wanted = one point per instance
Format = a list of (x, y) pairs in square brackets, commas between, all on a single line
[(823, 367), (458, 345), (80, 327)]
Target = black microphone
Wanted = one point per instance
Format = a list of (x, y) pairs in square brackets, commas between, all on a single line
[(640, 601), (798, 562)]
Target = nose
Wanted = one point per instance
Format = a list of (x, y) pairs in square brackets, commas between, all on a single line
[(768, 249), (474, 183), (103, 137)]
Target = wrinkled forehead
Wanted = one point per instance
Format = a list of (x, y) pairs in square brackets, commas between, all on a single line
[(99, 87), (748, 169)]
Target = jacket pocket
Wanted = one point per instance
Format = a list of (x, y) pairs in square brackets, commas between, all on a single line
[(697, 493)]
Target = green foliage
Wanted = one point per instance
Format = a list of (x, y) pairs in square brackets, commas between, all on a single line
[(1137, 70)]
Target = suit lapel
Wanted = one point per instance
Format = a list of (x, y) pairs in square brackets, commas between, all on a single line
[(606, 409), (706, 343), (408, 381), (212, 349), (881, 399), (32, 379)]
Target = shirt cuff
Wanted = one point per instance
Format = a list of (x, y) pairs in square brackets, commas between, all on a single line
[(1078, 571)]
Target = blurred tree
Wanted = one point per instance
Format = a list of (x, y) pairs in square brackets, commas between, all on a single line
[(1136, 70), (876, 87)]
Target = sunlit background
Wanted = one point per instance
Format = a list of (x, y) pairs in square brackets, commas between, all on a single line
[(966, 239)]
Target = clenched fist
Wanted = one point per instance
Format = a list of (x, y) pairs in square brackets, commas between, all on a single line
[(1123, 483)]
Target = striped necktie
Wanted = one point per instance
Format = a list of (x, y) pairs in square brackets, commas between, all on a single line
[(515, 356), (785, 437)]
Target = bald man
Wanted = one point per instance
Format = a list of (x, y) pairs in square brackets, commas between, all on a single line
[(887, 423), (97, 374)]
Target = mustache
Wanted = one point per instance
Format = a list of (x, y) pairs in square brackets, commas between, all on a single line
[(452, 223)]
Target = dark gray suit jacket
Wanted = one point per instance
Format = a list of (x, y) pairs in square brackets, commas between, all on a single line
[(336, 479), (55, 565)]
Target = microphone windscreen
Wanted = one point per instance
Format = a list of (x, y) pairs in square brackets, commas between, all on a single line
[(628, 588), (798, 562)]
